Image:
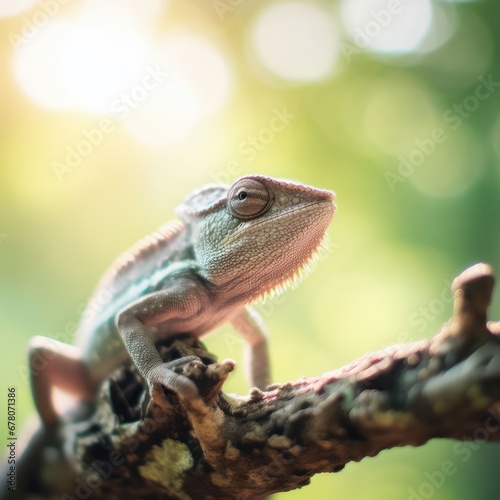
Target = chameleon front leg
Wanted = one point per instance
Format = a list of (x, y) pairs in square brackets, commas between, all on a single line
[(180, 302), (250, 326)]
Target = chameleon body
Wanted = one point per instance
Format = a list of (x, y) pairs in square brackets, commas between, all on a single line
[(232, 245)]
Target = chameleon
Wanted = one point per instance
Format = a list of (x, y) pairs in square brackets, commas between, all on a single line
[(230, 246)]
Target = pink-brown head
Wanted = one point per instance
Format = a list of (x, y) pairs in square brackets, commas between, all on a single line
[(257, 234)]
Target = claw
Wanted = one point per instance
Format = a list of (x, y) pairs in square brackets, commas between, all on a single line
[(168, 376), (178, 365)]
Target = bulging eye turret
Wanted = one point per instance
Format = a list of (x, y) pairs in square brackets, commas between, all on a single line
[(248, 199)]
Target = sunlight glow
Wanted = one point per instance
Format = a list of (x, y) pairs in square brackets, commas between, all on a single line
[(39, 67), (296, 40), (203, 65), (108, 65), (397, 26), (98, 68), (10, 8), (197, 84), (131, 12), (167, 116), (65, 68)]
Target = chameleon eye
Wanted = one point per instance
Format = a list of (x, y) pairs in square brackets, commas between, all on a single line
[(248, 198)]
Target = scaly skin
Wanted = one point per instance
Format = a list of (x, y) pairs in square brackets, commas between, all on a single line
[(233, 245)]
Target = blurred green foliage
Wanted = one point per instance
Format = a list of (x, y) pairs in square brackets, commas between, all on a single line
[(401, 233)]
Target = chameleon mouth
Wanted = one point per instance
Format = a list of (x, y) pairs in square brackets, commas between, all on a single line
[(329, 206)]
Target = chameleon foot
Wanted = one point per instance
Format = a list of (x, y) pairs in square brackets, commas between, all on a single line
[(169, 376)]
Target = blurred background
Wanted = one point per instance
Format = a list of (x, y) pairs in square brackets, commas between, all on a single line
[(112, 111)]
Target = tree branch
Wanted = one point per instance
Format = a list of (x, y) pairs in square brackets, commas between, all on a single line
[(275, 440)]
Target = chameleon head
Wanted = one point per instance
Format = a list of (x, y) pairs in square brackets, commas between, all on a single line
[(257, 234)]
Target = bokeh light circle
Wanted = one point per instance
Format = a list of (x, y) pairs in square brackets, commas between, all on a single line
[(398, 109), (296, 40), (160, 89), (395, 27), (197, 84), (38, 66), (448, 168)]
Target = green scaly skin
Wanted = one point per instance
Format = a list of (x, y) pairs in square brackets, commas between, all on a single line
[(231, 246)]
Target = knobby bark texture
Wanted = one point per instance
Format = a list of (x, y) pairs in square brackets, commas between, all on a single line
[(274, 440)]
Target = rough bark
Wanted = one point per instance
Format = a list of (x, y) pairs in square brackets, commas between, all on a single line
[(275, 440)]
